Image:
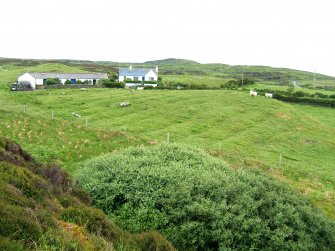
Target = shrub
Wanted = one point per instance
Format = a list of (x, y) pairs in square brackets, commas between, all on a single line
[(198, 203), (231, 84), (34, 198), (234, 84), (53, 81), (87, 82), (111, 84), (57, 177), (148, 87), (78, 82), (300, 94), (68, 82)]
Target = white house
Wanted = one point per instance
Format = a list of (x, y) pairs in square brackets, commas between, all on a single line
[(138, 74), (39, 78)]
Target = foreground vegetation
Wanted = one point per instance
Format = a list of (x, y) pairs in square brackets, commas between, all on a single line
[(288, 142), (42, 209), (199, 203)]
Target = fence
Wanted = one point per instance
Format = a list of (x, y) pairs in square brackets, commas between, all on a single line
[(214, 147)]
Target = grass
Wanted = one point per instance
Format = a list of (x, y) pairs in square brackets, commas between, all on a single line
[(245, 131), (273, 86), (41, 208), (194, 79)]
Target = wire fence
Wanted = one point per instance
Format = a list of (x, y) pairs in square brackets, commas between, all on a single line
[(214, 146)]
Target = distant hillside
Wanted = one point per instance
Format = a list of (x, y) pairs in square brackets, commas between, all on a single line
[(173, 66), (41, 209), (171, 61)]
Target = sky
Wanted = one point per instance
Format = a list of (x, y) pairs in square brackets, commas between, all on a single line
[(287, 33)]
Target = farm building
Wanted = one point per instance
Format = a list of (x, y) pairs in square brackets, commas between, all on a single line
[(138, 74), (39, 78)]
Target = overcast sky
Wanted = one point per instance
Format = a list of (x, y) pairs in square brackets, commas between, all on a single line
[(297, 34)]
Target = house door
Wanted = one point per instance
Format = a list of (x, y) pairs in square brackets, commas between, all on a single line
[(73, 81)]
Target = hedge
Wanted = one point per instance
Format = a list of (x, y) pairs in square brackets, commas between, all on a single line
[(301, 97), (199, 203)]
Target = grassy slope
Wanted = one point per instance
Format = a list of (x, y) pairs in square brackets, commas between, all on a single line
[(40, 209), (246, 131)]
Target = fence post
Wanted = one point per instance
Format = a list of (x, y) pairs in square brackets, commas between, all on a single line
[(86, 121), (52, 114), (168, 137)]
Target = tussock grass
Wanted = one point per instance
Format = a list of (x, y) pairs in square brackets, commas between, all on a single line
[(41, 208)]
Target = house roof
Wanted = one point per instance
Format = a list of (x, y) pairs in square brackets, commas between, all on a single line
[(137, 72), (44, 75)]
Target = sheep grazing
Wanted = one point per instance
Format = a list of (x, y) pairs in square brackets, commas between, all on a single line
[(253, 93), (124, 104), (83, 89), (76, 115), (268, 95)]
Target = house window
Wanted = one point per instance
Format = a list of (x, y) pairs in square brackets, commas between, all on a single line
[(151, 79), (135, 78)]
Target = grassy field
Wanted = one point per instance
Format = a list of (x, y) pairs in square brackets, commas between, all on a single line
[(194, 79), (289, 142), (272, 86), (245, 131)]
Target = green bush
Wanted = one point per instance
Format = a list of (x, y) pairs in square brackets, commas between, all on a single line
[(234, 84), (319, 99), (199, 203), (109, 83), (53, 81), (87, 82), (68, 82)]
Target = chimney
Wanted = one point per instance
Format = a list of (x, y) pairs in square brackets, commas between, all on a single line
[(157, 69), (130, 67)]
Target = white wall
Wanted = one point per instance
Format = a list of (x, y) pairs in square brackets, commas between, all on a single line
[(39, 81), (149, 75), (27, 78)]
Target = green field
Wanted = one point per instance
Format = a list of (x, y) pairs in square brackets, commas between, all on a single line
[(194, 79), (290, 142)]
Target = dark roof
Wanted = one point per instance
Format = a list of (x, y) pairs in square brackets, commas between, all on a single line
[(137, 72), (44, 75)]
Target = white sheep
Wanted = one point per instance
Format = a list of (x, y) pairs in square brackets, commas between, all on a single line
[(268, 95), (76, 115), (253, 93), (124, 104)]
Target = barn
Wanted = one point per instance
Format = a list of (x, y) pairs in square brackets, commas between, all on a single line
[(39, 78)]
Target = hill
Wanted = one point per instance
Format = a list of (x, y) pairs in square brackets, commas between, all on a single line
[(287, 141), (42, 209), (188, 71), (172, 62), (199, 203), (290, 142)]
